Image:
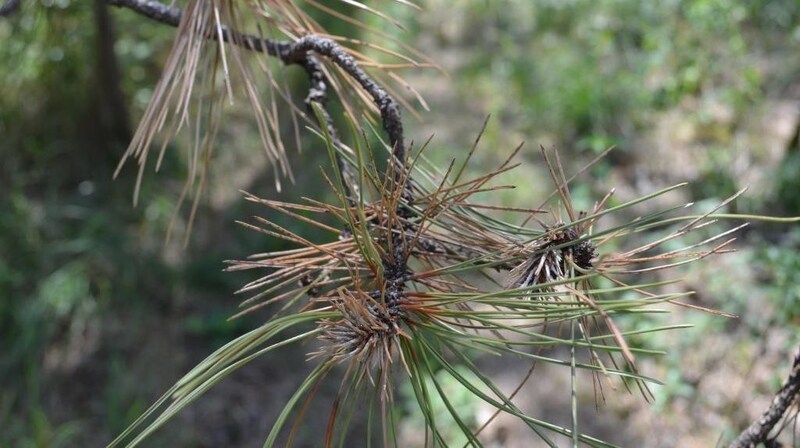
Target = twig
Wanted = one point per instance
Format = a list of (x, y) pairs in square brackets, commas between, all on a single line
[(296, 52), (152, 9), (390, 111), (304, 52), (758, 431), (318, 94)]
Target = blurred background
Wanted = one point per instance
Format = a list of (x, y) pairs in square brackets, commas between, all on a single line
[(99, 315)]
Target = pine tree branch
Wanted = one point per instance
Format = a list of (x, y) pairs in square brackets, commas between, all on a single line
[(304, 52), (390, 111), (151, 9), (296, 52), (789, 393), (318, 94)]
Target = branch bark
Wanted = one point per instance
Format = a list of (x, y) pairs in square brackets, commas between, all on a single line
[(296, 52), (305, 52), (758, 431)]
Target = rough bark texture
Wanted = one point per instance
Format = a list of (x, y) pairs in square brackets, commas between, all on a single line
[(758, 431), (296, 52)]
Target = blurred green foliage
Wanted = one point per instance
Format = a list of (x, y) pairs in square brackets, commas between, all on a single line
[(76, 261), (589, 74), (458, 396), (780, 268), (787, 183)]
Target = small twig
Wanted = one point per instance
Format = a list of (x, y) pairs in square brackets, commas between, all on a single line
[(304, 52), (152, 9), (296, 52), (318, 94), (758, 431), (390, 111)]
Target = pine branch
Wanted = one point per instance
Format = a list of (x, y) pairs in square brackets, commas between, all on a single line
[(304, 52), (152, 9), (758, 431), (318, 94), (390, 111), (296, 53)]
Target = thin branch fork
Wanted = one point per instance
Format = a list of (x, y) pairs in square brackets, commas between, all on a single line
[(789, 393), (295, 53), (304, 52)]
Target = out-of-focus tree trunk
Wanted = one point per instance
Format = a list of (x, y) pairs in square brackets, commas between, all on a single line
[(109, 111)]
